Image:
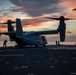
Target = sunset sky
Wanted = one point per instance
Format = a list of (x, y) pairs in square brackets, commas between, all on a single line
[(32, 13)]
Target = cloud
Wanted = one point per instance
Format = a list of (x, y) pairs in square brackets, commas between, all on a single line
[(34, 3), (2, 1), (3, 27), (39, 7), (69, 3), (36, 8), (27, 23), (42, 7), (34, 22)]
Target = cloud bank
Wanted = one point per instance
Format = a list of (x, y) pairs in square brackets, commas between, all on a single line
[(39, 7)]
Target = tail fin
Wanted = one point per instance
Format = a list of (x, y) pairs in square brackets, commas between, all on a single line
[(19, 31)]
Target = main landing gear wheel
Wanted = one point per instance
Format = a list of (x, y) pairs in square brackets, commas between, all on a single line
[(44, 45), (36, 46)]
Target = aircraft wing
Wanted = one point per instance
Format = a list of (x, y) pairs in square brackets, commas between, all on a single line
[(47, 32), (37, 32)]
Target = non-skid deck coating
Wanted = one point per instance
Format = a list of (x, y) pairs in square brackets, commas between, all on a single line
[(38, 61)]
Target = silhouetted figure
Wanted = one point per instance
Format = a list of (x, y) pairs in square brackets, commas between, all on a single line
[(75, 44), (56, 43), (4, 44)]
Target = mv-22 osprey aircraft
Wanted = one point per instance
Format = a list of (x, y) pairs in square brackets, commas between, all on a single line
[(33, 38)]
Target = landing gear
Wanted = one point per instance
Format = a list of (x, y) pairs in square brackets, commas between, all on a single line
[(36, 46), (19, 46), (44, 45)]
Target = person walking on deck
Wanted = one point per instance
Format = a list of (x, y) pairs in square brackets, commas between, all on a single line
[(4, 44)]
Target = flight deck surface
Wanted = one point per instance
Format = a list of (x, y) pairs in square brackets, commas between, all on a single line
[(50, 60)]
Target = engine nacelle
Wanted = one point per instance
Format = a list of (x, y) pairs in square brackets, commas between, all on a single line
[(62, 31)]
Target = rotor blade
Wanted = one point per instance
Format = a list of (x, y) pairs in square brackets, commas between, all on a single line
[(69, 18), (60, 18), (12, 22), (74, 9), (4, 23), (52, 18)]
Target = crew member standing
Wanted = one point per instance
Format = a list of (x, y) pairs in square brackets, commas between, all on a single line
[(4, 44)]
